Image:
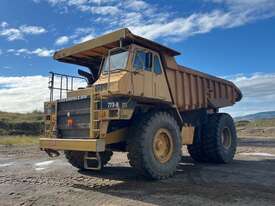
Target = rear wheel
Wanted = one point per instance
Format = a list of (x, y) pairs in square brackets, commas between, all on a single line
[(76, 158), (220, 138), (196, 149), (154, 147)]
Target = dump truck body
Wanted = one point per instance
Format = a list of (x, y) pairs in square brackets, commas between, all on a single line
[(190, 89), (193, 90), (137, 92)]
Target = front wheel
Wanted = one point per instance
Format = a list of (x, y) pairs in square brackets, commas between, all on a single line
[(154, 147)]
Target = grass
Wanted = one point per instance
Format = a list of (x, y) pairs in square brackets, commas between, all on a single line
[(21, 124), (256, 123), (261, 128), (18, 140), (20, 117), (263, 123)]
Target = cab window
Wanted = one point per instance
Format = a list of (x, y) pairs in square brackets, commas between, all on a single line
[(157, 66), (139, 62), (143, 60), (117, 61)]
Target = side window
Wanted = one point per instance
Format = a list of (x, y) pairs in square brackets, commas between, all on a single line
[(143, 60), (157, 66), (139, 61)]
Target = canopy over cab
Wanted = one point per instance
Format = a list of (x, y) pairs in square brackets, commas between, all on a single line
[(90, 53)]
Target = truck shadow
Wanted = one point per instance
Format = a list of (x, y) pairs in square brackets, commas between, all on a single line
[(214, 182), (127, 173), (256, 142)]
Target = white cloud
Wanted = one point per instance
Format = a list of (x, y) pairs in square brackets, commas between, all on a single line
[(137, 4), (62, 40), (85, 38), (77, 2), (25, 93), (84, 30), (4, 24), (6, 67), (153, 21), (198, 23), (93, 6), (52, 2), (41, 52), (182, 28), (105, 10), (80, 35), (32, 29), (258, 93), (12, 34)]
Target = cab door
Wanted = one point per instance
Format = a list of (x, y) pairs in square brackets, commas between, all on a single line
[(160, 87), (143, 75)]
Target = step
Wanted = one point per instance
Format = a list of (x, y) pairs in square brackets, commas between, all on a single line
[(96, 158)]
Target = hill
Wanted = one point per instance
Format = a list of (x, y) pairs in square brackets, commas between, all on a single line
[(21, 124), (257, 116), (256, 128)]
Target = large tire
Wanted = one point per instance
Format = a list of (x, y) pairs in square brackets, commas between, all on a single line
[(154, 145), (76, 158), (196, 149), (220, 141)]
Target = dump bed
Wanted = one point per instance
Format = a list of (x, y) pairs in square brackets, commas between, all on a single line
[(192, 89)]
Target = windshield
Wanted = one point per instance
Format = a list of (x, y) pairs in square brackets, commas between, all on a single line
[(117, 61)]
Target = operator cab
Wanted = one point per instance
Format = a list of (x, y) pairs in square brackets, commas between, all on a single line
[(142, 59), (133, 70)]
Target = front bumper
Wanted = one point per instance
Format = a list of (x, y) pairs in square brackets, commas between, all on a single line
[(93, 145)]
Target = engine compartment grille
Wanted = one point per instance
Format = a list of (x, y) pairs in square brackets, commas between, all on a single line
[(73, 118)]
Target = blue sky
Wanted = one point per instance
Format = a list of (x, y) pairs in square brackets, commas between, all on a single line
[(233, 39)]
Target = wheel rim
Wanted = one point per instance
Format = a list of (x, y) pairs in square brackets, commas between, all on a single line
[(226, 137), (163, 145)]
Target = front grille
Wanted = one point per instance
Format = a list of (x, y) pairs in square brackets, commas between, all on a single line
[(79, 112)]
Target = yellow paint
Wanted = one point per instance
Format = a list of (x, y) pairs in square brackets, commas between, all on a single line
[(116, 136), (94, 145), (80, 92), (187, 135)]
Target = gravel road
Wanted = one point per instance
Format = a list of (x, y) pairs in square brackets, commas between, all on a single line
[(29, 177)]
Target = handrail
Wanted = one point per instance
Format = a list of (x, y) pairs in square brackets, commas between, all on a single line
[(69, 79)]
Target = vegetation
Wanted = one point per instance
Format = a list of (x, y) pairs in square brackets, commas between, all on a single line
[(18, 140), (17, 128), (256, 123), (21, 124), (260, 128)]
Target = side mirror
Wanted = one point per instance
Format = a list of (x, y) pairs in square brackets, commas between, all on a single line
[(87, 75)]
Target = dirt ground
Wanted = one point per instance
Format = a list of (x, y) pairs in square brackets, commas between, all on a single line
[(29, 177)]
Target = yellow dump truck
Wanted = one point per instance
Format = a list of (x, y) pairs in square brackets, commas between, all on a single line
[(140, 101)]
